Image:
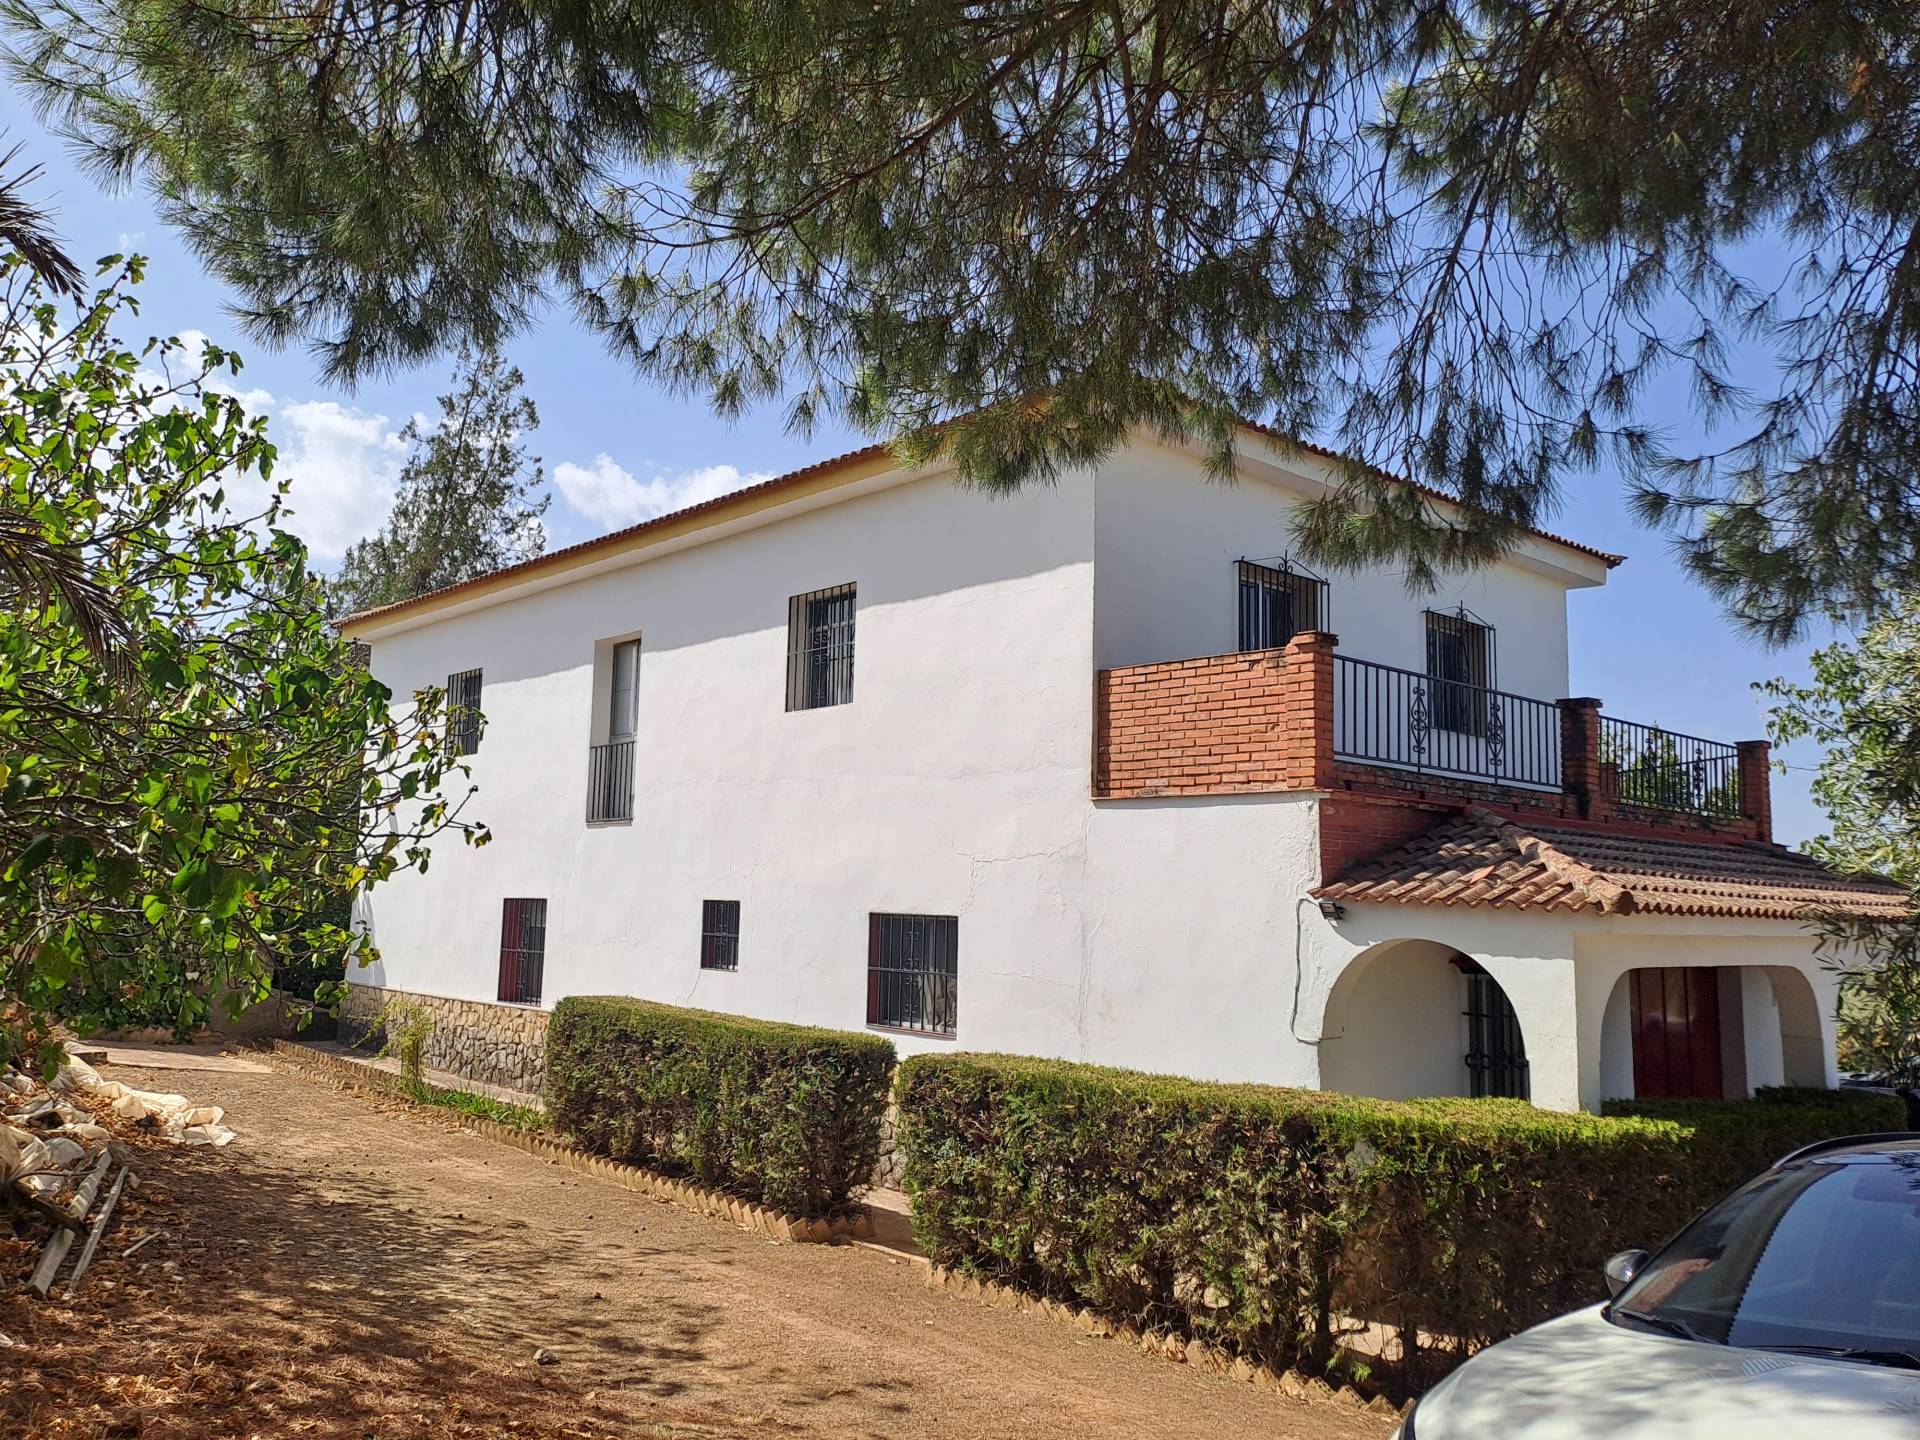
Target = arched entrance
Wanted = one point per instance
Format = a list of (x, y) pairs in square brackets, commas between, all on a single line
[(1706, 1032), (1412, 1018)]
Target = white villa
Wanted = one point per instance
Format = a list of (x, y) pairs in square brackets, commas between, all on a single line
[(1086, 773)]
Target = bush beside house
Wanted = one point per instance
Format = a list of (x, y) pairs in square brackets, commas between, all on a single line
[(1255, 1217), (783, 1115)]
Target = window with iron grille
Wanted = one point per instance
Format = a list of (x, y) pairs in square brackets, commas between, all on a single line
[(913, 975), (820, 648), (720, 935), (1460, 662), (523, 950), (463, 713), (1496, 1053), (1277, 603)]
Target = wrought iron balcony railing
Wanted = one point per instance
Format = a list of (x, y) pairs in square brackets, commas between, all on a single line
[(610, 781), (1647, 766), (1388, 716)]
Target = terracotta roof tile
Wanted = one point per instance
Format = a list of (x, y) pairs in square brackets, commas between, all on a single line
[(1484, 858)]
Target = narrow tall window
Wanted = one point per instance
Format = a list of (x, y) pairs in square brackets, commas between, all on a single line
[(623, 692), (720, 935), (820, 648), (463, 713), (523, 950), (1460, 662), (1277, 603), (913, 972)]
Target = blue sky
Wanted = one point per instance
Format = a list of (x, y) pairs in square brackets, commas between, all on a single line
[(617, 450)]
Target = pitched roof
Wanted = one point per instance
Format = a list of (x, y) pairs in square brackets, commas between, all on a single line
[(770, 491), (1484, 858)]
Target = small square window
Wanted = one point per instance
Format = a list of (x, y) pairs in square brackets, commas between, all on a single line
[(913, 972), (523, 950), (820, 648), (1277, 603), (464, 720), (720, 935)]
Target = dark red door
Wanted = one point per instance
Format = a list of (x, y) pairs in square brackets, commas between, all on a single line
[(1676, 1034)]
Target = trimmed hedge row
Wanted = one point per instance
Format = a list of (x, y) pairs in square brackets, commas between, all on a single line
[(782, 1115), (1262, 1219)]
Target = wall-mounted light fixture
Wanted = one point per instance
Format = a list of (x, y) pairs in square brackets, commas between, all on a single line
[(1333, 910)]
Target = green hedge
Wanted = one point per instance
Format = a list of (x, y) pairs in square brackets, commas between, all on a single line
[(1262, 1219), (779, 1114)]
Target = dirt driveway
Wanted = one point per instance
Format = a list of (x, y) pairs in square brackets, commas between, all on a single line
[(350, 1269)]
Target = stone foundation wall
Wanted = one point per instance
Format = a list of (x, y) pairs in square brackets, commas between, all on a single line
[(892, 1168), (476, 1039)]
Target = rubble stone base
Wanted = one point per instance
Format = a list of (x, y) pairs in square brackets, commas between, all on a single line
[(476, 1039)]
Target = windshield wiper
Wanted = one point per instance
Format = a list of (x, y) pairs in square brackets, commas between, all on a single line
[(1899, 1359), (1665, 1324)]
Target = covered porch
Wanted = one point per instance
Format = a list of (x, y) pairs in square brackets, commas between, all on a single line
[(1570, 966)]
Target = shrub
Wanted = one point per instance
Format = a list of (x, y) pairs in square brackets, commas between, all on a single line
[(1260, 1218), (780, 1114)]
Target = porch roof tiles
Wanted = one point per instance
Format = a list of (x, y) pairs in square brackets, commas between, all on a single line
[(1485, 858)]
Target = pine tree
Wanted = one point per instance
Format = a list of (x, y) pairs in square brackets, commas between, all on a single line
[(468, 501), (1459, 241)]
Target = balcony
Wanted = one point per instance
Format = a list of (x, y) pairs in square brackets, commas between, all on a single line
[(610, 782), (1304, 717)]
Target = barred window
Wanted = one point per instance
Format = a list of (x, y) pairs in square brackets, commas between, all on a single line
[(1496, 1050), (913, 980), (1277, 603), (820, 648), (720, 935), (523, 950), (1460, 662), (463, 713)]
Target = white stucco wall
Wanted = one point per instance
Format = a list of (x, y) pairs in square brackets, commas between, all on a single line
[(1166, 587), (1193, 910), (955, 782), (1157, 935)]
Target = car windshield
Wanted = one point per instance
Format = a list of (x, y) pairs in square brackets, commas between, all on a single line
[(1820, 1259)]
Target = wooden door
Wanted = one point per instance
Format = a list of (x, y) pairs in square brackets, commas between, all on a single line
[(1676, 1033)]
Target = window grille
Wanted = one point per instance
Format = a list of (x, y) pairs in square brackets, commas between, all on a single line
[(464, 720), (1460, 663), (913, 980), (720, 935), (523, 950), (1496, 1053), (1277, 603), (820, 648)]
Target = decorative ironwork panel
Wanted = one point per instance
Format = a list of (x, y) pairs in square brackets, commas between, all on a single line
[(913, 972), (1385, 715)]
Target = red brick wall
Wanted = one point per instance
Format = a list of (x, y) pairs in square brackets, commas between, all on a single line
[(1217, 725), (1354, 827)]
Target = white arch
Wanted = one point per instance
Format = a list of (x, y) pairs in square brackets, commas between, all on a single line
[(1395, 1025)]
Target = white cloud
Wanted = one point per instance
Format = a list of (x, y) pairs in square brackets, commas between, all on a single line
[(131, 240), (612, 496), (341, 462)]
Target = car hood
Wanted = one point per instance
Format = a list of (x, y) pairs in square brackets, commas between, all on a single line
[(1580, 1377)]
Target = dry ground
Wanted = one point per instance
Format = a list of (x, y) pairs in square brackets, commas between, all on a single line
[(351, 1269)]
